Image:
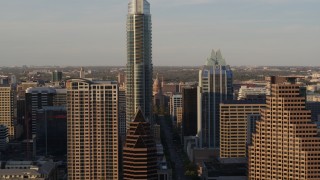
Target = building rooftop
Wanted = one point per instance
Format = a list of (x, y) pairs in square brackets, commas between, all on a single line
[(19, 172), (61, 91), (47, 167), (251, 101), (41, 90), (216, 169), (19, 163), (29, 167)]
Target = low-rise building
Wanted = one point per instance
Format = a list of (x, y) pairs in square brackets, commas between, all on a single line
[(252, 92), (164, 172), (39, 170), (217, 170)]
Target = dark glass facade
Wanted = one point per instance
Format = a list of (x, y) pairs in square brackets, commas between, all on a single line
[(36, 98), (52, 131), (56, 76), (189, 109)]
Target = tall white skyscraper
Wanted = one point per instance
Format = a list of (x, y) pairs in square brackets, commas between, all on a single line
[(139, 60)]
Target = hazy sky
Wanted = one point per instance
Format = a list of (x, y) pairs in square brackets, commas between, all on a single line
[(93, 32)]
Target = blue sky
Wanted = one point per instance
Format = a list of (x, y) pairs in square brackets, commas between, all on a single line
[(92, 32)]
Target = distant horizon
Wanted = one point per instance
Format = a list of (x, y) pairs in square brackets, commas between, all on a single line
[(119, 66)]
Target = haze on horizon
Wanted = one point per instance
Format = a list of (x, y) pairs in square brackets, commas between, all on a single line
[(93, 32)]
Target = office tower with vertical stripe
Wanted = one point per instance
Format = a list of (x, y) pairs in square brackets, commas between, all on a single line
[(215, 86)]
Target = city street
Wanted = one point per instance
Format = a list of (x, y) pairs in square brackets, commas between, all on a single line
[(174, 154)]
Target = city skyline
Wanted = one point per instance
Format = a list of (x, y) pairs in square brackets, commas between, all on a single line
[(202, 119), (276, 32)]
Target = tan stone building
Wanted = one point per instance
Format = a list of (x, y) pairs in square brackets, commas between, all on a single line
[(179, 117), (92, 129), (7, 109), (234, 126), (285, 144)]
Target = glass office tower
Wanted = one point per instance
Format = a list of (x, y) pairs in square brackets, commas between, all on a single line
[(215, 86), (139, 60)]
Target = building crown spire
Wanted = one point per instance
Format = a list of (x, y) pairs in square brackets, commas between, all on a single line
[(216, 59), (139, 7)]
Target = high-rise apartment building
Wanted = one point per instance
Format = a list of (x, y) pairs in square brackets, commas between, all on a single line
[(234, 125), (139, 60), (7, 109), (92, 123), (285, 144), (140, 152), (215, 86)]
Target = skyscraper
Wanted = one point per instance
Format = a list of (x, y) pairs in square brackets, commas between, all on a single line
[(215, 86), (92, 123), (56, 76), (189, 111), (139, 60), (285, 144), (7, 109), (36, 98), (52, 131), (175, 102), (139, 152), (234, 126)]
